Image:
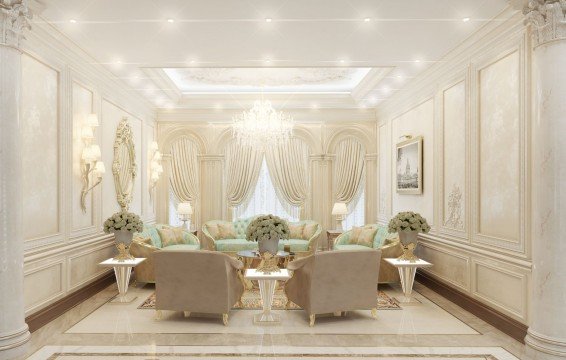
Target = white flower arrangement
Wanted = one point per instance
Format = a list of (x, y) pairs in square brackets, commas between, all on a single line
[(408, 221), (265, 227), (123, 220)]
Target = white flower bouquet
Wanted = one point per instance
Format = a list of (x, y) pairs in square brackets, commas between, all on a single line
[(123, 220), (408, 221), (267, 227)]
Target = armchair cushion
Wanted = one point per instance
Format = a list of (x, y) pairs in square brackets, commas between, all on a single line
[(226, 231), (296, 231), (351, 247), (234, 245), (296, 244), (183, 247), (309, 230), (151, 233)]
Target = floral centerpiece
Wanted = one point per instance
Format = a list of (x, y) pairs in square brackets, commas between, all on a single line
[(408, 225), (123, 224), (267, 230)]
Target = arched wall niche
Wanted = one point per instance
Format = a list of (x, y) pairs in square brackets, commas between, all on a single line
[(358, 134)]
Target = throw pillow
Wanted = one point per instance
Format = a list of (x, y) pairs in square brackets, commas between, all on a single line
[(355, 234), (296, 231), (213, 230), (226, 231), (366, 236), (171, 236), (309, 231)]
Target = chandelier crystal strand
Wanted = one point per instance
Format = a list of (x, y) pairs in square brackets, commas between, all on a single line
[(262, 126)]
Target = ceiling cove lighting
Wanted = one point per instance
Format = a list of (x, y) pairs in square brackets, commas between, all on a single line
[(262, 126), (73, 21), (466, 19), (367, 19), (170, 20)]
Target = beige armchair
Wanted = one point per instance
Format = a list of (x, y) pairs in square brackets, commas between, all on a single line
[(196, 281), (335, 282)]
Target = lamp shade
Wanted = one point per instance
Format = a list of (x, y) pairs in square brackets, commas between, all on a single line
[(339, 208), (99, 168), (91, 120), (184, 209), (86, 133), (95, 151), (157, 156), (153, 146)]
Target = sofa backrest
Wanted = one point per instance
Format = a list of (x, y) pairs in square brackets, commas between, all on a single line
[(380, 237), (151, 231), (240, 226)]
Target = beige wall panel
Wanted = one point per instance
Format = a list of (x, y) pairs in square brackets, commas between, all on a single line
[(501, 287), (384, 165), (499, 139), (83, 267), (82, 106), (43, 284), (449, 266), (149, 202), (416, 122), (454, 156), (40, 147)]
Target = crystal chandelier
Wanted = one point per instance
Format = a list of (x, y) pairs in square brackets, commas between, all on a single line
[(262, 126)]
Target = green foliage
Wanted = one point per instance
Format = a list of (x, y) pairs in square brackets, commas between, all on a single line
[(123, 220), (266, 227), (409, 221)]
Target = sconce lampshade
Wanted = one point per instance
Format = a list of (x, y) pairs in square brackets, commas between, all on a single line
[(87, 154), (100, 169), (95, 150), (91, 120), (159, 168), (157, 156), (184, 209), (339, 208), (87, 133), (153, 146)]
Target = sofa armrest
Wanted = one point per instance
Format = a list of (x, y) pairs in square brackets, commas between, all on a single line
[(313, 241), (208, 242), (343, 238), (235, 263), (145, 271), (189, 238)]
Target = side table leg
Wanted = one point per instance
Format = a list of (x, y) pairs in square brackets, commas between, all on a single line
[(123, 274), (267, 289), (407, 275)]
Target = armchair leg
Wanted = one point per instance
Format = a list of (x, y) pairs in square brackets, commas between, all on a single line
[(158, 314), (225, 319), (374, 313), (311, 320), (186, 313)]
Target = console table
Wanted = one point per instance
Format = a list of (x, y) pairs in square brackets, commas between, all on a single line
[(122, 271), (267, 283), (407, 271)]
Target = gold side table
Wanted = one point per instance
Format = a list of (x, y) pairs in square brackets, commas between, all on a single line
[(331, 236)]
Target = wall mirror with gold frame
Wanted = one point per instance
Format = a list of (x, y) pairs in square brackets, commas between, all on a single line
[(124, 165)]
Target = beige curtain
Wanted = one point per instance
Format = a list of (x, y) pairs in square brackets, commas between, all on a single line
[(349, 169), (243, 164), (288, 168), (184, 177)]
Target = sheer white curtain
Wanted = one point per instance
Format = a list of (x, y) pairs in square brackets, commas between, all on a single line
[(264, 200), (184, 176), (288, 165), (243, 165), (349, 172)]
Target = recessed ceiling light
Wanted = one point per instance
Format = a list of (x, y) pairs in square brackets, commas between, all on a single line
[(268, 61), (170, 20), (399, 76), (466, 19), (268, 19), (73, 21), (417, 60), (342, 61), (314, 106), (367, 19)]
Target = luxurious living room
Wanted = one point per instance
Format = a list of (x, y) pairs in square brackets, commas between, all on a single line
[(322, 179)]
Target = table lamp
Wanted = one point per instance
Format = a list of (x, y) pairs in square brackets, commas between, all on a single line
[(184, 210), (339, 210)]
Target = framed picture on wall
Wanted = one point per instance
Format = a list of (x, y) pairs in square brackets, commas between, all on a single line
[(410, 166)]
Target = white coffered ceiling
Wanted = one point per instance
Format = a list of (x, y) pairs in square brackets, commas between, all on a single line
[(308, 53)]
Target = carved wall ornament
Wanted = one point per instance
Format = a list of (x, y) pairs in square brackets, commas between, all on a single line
[(455, 209), (548, 19), (15, 16), (124, 166)]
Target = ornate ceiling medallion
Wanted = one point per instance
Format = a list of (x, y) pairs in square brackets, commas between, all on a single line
[(262, 126)]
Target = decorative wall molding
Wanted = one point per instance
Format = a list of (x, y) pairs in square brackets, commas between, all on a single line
[(547, 19), (15, 16), (455, 217)]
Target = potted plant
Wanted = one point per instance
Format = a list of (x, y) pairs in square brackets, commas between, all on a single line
[(267, 230), (123, 224), (408, 225)]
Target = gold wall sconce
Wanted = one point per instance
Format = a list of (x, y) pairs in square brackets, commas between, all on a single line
[(90, 159), (155, 166)]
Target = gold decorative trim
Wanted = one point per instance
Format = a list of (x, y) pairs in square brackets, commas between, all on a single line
[(124, 136)]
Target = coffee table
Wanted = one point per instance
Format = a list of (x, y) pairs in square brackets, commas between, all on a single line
[(251, 258)]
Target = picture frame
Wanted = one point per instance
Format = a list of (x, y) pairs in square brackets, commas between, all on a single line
[(409, 166)]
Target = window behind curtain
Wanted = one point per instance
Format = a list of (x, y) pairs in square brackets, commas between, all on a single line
[(264, 200)]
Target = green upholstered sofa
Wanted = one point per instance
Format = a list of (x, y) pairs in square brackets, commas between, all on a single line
[(148, 241), (387, 242), (300, 247)]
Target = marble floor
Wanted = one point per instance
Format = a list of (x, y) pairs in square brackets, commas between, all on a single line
[(435, 329)]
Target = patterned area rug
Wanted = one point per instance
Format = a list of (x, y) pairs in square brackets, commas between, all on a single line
[(252, 301)]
